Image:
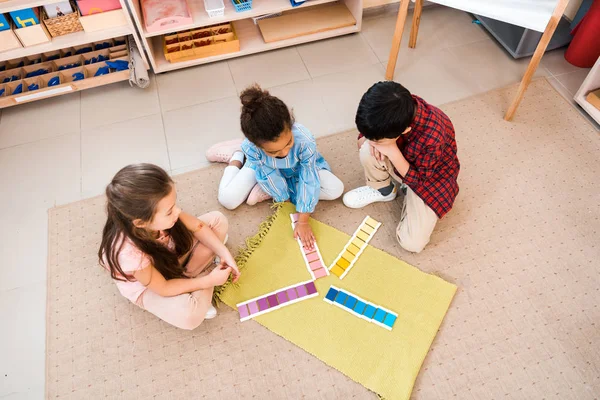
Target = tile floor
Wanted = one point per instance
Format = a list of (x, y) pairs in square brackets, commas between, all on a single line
[(58, 151)]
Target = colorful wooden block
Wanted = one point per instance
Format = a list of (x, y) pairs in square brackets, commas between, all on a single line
[(361, 308), (390, 319), (315, 265), (369, 311), (351, 302), (367, 229), (282, 297), (292, 295), (4, 25), (379, 315), (330, 296), (89, 7), (312, 257), (272, 299), (348, 256), (372, 223), (301, 291), (337, 271), (354, 248), (253, 307), (243, 310), (279, 298), (320, 273), (362, 236), (25, 17), (358, 243), (263, 304), (341, 297)]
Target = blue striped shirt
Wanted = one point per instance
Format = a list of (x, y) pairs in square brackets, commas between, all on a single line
[(294, 177)]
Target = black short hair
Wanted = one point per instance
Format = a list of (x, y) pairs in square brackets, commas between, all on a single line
[(264, 117), (385, 111)]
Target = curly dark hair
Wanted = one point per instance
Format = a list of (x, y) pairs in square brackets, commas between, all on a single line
[(264, 117)]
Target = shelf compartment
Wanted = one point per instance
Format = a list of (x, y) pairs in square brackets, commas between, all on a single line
[(201, 18), (251, 42)]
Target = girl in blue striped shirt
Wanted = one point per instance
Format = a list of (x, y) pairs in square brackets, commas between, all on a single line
[(278, 159)]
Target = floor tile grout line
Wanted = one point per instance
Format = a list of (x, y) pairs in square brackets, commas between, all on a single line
[(303, 63), (361, 33), (232, 78), (38, 140), (162, 121)]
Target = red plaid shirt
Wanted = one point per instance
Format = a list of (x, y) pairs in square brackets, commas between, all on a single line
[(430, 149)]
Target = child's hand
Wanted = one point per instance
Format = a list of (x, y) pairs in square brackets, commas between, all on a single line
[(230, 262), (304, 232), (220, 274), (384, 148)]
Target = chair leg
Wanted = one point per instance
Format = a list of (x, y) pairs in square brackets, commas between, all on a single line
[(414, 31), (537, 57), (397, 39)]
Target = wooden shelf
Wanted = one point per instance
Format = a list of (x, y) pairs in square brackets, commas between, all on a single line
[(12, 5), (61, 42), (251, 42), (71, 87), (200, 16), (66, 41)]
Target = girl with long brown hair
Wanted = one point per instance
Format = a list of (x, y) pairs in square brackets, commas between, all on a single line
[(157, 254)]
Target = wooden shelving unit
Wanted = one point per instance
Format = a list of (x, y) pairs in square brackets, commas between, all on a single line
[(249, 35), (591, 82), (66, 41)]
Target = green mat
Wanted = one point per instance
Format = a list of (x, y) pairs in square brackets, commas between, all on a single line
[(385, 362)]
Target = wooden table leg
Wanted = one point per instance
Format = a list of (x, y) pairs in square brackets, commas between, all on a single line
[(414, 30), (537, 57), (397, 39)]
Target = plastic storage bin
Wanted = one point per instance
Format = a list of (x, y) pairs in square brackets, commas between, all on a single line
[(241, 5), (521, 42), (214, 8)]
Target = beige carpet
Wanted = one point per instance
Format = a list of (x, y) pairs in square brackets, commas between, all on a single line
[(522, 245)]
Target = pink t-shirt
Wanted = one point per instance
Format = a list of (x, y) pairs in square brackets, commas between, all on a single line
[(132, 259)]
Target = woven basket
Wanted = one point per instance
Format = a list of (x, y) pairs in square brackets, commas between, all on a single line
[(63, 25)]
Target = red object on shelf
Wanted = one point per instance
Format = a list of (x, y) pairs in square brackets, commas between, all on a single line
[(584, 49)]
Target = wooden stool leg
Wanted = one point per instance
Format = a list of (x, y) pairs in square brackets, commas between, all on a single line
[(537, 57), (414, 31), (391, 66)]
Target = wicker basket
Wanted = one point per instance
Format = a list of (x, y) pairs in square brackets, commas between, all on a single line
[(60, 26)]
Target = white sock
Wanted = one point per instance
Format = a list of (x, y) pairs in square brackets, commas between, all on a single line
[(237, 156)]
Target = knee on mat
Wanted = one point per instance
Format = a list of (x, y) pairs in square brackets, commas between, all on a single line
[(337, 189), (192, 318), (229, 202), (365, 154), (414, 245)]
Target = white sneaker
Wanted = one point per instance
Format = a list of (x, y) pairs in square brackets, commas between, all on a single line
[(211, 313), (365, 195)]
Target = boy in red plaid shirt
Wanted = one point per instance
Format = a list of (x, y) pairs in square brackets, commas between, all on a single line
[(405, 140)]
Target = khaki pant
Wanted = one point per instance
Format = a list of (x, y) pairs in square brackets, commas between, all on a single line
[(187, 310), (417, 220)]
